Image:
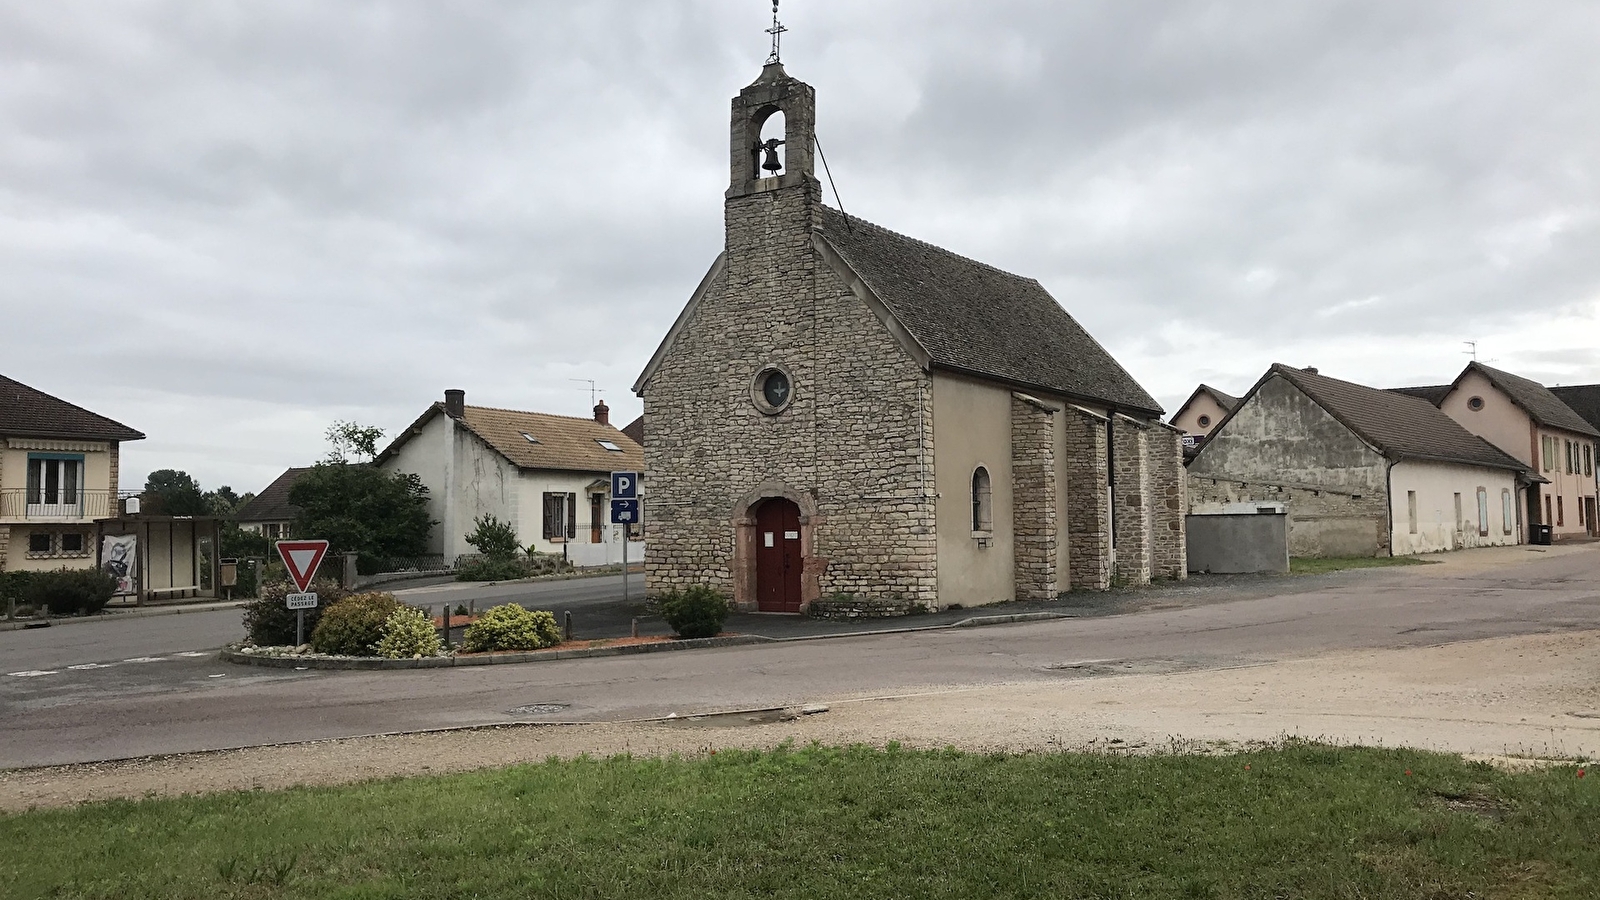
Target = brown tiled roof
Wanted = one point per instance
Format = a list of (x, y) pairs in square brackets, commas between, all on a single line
[(1433, 393), (1400, 426), (977, 319), (635, 430), (30, 412), (1534, 398), (566, 443), (1583, 399), (272, 504)]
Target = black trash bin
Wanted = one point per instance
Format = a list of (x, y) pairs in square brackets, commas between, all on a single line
[(1542, 534)]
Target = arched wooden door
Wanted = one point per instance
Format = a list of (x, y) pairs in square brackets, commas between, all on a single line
[(778, 559)]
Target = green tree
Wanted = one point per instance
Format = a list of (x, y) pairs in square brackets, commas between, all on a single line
[(350, 438), (495, 539), (168, 492), (362, 508), (223, 501)]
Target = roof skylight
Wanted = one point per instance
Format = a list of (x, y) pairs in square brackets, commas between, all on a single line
[(531, 438), (609, 445)]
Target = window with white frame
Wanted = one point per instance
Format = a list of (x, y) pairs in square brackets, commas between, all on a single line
[(1507, 510), (54, 484)]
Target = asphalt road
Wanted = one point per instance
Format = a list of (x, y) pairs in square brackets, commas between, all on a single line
[(90, 704)]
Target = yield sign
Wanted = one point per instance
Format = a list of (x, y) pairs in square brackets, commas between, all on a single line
[(302, 558)]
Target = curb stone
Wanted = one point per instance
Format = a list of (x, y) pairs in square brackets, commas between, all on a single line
[(229, 654)]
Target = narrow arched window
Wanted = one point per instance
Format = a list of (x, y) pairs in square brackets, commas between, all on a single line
[(770, 156), (982, 501)]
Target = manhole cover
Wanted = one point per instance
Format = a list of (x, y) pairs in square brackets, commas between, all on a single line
[(538, 709)]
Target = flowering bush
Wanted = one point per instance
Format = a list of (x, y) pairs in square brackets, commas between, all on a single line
[(510, 627), (408, 633), (354, 626)]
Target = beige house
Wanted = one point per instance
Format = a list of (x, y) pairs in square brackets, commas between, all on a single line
[(1360, 471), (1204, 409), (842, 412), (1530, 423), (59, 467), (549, 476)]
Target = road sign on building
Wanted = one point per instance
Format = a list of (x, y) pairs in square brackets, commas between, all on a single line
[(624, 512), (624, 486), (302, 558)]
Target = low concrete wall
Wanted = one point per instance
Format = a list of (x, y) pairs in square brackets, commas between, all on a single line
[(607, 554), (1231, 544)]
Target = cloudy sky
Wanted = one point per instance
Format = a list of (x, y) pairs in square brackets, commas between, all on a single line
[(228, 224)]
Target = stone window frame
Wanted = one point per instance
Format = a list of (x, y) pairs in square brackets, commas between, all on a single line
[(982, 503), (758, 395), (1475, 404), (1204, 421)]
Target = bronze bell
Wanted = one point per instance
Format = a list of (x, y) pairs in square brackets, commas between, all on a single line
[(769, 161)]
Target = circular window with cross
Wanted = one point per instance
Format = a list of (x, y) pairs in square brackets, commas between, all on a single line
[(772, 390)]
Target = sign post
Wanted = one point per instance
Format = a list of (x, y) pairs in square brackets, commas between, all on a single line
[(624, 512), (301, 558)]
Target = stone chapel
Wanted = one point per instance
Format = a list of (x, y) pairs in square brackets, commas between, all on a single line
[(844, 410)]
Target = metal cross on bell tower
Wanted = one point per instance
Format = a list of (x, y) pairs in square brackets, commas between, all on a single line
[(776, 31)]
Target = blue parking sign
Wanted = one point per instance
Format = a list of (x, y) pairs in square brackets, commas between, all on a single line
[(624, 485), (624, 511)]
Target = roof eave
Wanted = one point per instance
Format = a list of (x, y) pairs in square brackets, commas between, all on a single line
[(1047, 389)]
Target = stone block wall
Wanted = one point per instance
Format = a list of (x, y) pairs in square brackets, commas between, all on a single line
[(1033, 505), (1089, 516), (1131, 495), (1169, 503), (1323, 521)]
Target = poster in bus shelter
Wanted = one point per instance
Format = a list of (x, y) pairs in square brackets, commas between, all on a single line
[(120, 556)]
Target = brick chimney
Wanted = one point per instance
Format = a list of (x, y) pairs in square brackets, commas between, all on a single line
[(1310, 370), (455, 403), (602, 413)]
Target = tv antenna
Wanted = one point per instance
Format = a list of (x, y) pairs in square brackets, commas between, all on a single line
[(594, 392), (1472, 351)]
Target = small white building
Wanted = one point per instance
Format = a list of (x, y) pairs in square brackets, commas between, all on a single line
[(549, 476)]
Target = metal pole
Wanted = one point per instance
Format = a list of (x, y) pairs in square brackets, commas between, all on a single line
[(447, 626), (567, 630), (299, 627), (624, 563)]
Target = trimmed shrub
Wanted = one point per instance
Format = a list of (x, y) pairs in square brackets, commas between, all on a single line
[(69, 591), (408, 633), (484, 568), (354, 625), (268, 623), (695, 612), (510, 627)]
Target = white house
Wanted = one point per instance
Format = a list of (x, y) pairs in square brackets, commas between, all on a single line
[(549, 476)]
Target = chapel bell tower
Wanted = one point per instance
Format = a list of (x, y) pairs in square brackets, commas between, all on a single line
[(760, 157)]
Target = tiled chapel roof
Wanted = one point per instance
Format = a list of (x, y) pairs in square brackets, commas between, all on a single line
[(974, 318)]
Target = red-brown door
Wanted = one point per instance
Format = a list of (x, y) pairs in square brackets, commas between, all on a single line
[(778, 557)]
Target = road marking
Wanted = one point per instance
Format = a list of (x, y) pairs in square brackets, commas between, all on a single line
[(216, 676), (142, 659), (90, 666), (194, 653), (32, 673)]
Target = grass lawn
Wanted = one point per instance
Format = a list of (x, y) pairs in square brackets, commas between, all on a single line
[(1310, 565), (1304, 821)]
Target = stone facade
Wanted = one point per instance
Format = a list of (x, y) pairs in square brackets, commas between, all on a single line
[(1034, 529), (1089, 525), (1280, 446), (853, 444)]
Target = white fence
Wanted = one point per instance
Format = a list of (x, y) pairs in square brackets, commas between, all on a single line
[(606, 554)]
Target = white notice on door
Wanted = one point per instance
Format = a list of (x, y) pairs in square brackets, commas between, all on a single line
[(791, 535), (768, 537)]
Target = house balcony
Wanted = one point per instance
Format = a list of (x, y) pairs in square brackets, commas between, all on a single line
[(20, 506)]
